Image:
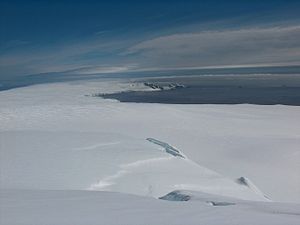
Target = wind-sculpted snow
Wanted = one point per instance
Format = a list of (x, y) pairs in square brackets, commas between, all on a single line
[(161, 174), (106, 162), (248, 183)]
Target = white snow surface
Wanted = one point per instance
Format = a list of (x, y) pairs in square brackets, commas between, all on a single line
[(63, 146), (93, 207)]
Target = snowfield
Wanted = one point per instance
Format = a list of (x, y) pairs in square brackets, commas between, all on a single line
[(91, 207), (70, 158)]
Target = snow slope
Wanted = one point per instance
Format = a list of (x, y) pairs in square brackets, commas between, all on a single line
[(111, 162)]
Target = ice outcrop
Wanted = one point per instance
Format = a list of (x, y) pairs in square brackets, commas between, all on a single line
[(176, 196), (214, 203), (168, 148), (209, 199), (163, 87)]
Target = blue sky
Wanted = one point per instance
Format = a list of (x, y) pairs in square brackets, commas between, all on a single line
[(87, 37)]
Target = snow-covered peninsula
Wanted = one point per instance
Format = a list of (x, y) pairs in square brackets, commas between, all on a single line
[(68, 156)]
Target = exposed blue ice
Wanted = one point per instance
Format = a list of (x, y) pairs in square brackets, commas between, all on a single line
[(176, 196), (168, 148), (214, 203)]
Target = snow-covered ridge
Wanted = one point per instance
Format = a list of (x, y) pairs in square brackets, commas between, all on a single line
[(157, 176)]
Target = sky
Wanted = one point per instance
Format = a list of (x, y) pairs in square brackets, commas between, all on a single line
[(103, 37)]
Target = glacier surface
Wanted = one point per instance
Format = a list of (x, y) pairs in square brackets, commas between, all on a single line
[(67, 156)]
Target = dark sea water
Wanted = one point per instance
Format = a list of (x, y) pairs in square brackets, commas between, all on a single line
[(7, 82), (263, 85), (220, 89)]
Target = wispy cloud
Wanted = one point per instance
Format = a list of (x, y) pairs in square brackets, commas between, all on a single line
[(63, 57), (115, 38), (205, 49), (104, 69), (223, 47)]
